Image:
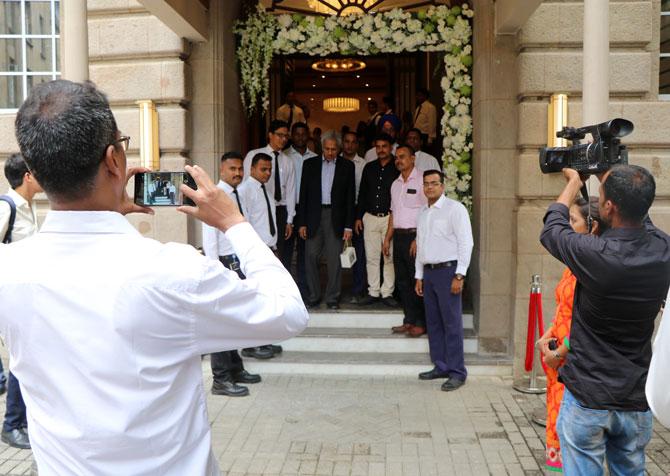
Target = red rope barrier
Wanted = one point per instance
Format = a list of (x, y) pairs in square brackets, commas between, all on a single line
[(534, 319)]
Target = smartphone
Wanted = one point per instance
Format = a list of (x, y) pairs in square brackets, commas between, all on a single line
[(161, 189)]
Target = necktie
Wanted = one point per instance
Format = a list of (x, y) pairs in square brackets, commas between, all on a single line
[(273, 230), (237, 197), (277, 181)]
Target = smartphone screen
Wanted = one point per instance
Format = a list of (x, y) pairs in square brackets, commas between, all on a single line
[(161, 189)]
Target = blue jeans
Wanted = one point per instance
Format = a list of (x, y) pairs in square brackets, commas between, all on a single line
[(15, 415), (588, 435)]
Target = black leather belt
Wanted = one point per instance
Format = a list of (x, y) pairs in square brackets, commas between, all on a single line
[(326, 206), (445, 264), (380, 215), (404, 231)]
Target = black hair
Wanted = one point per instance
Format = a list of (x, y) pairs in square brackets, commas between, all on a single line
[(417, 130), (385, 137), (434, 172), (64, 129), (299, 125), (372, 101), (350, 132), (591, 209), (232, 154), (388, 100), (406, 146), (15, 169), (632, 189), (423, 91), (260, 156), (277, 124)]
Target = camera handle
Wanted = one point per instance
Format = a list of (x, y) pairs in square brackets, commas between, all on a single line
[(589, 218)]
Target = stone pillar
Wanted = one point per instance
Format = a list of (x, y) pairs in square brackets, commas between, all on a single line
[(74, 40), (596, 61)]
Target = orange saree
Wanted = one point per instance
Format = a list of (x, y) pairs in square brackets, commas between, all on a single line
[(560, 328)]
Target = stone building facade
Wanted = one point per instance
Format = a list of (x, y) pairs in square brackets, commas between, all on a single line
[(136, 52)]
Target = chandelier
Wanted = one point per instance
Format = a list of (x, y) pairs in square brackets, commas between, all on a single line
[(338, 65), (342, 7), (341, 104)]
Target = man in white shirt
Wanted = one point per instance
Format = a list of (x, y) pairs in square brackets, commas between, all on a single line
[(424, 161), (443, 248), (290, 112), (425, 116), (24, 187), (227, 366), (390, 124), (259, 206), (298, 152), (659, 370), (121, 319), (281, 187), (350, 152)]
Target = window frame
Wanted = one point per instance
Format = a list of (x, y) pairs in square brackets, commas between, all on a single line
[(26, 40)]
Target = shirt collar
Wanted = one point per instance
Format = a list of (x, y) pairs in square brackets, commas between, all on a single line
[(90, 222), (410, 178), (271, 151), (323, 159), (19, 201), (254, 181), (225, 186), (440, 202)]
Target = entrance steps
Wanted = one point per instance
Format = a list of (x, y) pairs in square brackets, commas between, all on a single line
[(349, 342)]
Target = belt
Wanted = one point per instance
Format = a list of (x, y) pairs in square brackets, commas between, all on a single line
[(379, 214), (445, 264), (281, 206), (230, 261), (326, 206), (404, 231)]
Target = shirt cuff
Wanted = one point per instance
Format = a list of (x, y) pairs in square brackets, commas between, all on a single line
[(418, 274), (461, 270)]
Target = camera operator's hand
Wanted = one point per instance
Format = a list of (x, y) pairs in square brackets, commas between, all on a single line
[(213, 205), (127, 204), (571, 174), (572, 188)]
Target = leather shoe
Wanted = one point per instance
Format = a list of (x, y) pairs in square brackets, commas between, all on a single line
[(313, 304), (416, 331), (390, 302), (367, 300), (404, 329), (433, 374), (17, 438), (452, 384), (229, 389), (275, 349), (258, 353), (246, 377), (333, 306)]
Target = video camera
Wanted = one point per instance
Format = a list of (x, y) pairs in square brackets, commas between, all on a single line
[(593, 158)]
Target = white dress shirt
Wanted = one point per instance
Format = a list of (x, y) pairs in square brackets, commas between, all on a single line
[(359, 165), (658, 378), (120, 322), (214, 241), (424, 161), (25, 223), (371, 154), (443, 234), (287, 179), (425, 119), (298, 160), (251, 194)]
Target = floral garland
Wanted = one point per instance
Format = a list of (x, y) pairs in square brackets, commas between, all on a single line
[(439, 28)]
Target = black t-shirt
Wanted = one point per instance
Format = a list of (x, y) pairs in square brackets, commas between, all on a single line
[(622, 278), (374, 194)]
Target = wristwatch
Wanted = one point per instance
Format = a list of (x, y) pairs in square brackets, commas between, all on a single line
[(459, 277)]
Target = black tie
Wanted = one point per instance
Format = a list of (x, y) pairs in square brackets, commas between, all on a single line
[(237, 197), (277, 181), (418, 111), (273, 230)]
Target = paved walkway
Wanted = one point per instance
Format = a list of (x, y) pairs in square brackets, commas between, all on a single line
[(376, 426)]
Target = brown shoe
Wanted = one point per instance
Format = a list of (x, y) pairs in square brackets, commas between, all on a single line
[(416, 331), (404, 329)]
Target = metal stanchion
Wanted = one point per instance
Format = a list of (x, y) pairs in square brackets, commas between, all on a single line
[(531, 384)]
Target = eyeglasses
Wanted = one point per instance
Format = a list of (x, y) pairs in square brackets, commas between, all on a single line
[(432, 184), (125, 142), (281, 135)]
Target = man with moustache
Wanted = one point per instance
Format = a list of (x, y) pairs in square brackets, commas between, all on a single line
[(407, 199), (423, 160), (227, 367), (374, 204)]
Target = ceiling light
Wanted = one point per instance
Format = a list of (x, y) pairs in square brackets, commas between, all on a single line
[(338, 65), (367, 85), (341, 104)]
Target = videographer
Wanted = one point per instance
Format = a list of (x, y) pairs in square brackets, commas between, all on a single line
[(105, 328), (622, 278)]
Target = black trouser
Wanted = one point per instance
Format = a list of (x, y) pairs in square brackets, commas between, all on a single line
[(324, 242), (404, 266), (284, 246), (226, 364)]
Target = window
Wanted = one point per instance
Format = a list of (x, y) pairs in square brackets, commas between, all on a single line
[(24, 23), (664, 64)]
